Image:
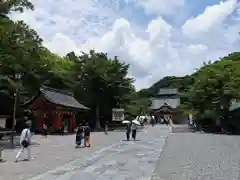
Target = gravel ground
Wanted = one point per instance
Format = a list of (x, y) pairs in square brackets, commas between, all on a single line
[(124, 160), (52, 152), (195, 156)]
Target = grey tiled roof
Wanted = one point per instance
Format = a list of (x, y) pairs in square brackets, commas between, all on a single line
[(61, 98), (234, 105), (159, 102), (168, 91)]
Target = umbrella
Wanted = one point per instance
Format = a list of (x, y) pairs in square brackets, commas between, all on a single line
[(136, 122), (126, 122)]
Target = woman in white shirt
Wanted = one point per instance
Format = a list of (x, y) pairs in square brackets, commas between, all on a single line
[(25, 141)]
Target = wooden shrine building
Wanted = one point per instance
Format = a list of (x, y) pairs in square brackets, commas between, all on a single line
[(55, 108), (165, 104)]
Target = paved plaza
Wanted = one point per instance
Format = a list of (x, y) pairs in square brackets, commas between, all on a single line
[(51, 153), (156, 155), (196, 156), (124, 160)]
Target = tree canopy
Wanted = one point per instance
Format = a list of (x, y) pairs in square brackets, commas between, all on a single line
[(98, 81), (209, 91)]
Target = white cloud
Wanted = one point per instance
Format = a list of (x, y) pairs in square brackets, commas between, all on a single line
[(160, 7), (210, 20), (159, 27), (153, 50), (61, 44), (197, 49)]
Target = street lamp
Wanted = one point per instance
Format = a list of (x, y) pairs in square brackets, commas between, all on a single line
[(17, 77)]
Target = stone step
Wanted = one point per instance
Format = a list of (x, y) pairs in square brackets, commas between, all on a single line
[(181, 128)]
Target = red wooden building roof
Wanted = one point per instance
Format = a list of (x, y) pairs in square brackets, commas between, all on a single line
[(56, 97)]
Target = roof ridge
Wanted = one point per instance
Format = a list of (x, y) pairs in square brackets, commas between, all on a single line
[(66, 92)]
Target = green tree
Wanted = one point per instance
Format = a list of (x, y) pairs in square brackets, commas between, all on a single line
[(19, 48), (8, 6), (98, 81), (101, 83), (215, 86)]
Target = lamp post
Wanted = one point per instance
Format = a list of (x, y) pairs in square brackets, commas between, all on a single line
[(17, 77)]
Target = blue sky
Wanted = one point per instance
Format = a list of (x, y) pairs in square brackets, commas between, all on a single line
[(156, 37)]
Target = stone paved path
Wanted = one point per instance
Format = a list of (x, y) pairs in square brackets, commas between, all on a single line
[(196, 156), (51, 153), (124, 160)]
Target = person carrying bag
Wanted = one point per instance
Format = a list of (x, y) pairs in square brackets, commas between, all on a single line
[(24, 143)]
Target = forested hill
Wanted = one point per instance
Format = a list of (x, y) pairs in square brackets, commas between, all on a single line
[(167, 82), (184, 83), (181, 83), (208, 92)]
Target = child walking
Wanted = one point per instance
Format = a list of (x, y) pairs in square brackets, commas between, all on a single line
[(79, 136)]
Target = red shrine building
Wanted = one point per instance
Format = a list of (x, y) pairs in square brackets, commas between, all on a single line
[(55, 108)]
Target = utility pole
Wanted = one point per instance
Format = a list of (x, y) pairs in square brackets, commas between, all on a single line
[(17, 77), (97, 117), (14, 117)]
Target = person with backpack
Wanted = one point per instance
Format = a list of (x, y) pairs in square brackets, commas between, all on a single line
[(25, 141)]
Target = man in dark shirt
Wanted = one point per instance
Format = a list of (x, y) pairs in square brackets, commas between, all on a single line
[(128, 131)]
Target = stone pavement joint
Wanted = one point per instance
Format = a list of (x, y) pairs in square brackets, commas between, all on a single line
[(124, 160)]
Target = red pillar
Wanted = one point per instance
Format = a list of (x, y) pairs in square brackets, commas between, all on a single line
[(57, 120), (39, 120), (70, 124), (73, 120)]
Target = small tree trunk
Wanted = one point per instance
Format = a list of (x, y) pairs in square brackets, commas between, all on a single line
[(97, 125)]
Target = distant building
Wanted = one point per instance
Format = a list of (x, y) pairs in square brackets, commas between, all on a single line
[(165, 104)]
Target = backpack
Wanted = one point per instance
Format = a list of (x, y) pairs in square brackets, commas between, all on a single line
[(25, 143)]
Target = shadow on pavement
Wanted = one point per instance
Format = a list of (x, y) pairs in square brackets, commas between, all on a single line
[(8, 145)]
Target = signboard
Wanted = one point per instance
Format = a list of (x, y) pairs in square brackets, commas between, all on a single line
[(117, 114)]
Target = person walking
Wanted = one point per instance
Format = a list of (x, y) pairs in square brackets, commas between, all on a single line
[(62, 129), (45, 133), (165, 121), (152, 121), (128, 131), (134, 131), (87, 135), (79, 135), (106, 128), (169, 120), (25, 141)]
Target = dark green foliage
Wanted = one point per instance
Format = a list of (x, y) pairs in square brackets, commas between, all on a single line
[(208, 92), (97, 81)]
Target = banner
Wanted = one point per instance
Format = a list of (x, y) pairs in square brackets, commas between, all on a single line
[(117, 114)]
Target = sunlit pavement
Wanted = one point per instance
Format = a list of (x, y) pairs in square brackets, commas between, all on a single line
[(199, 156), (51, 153), (124, 160)]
